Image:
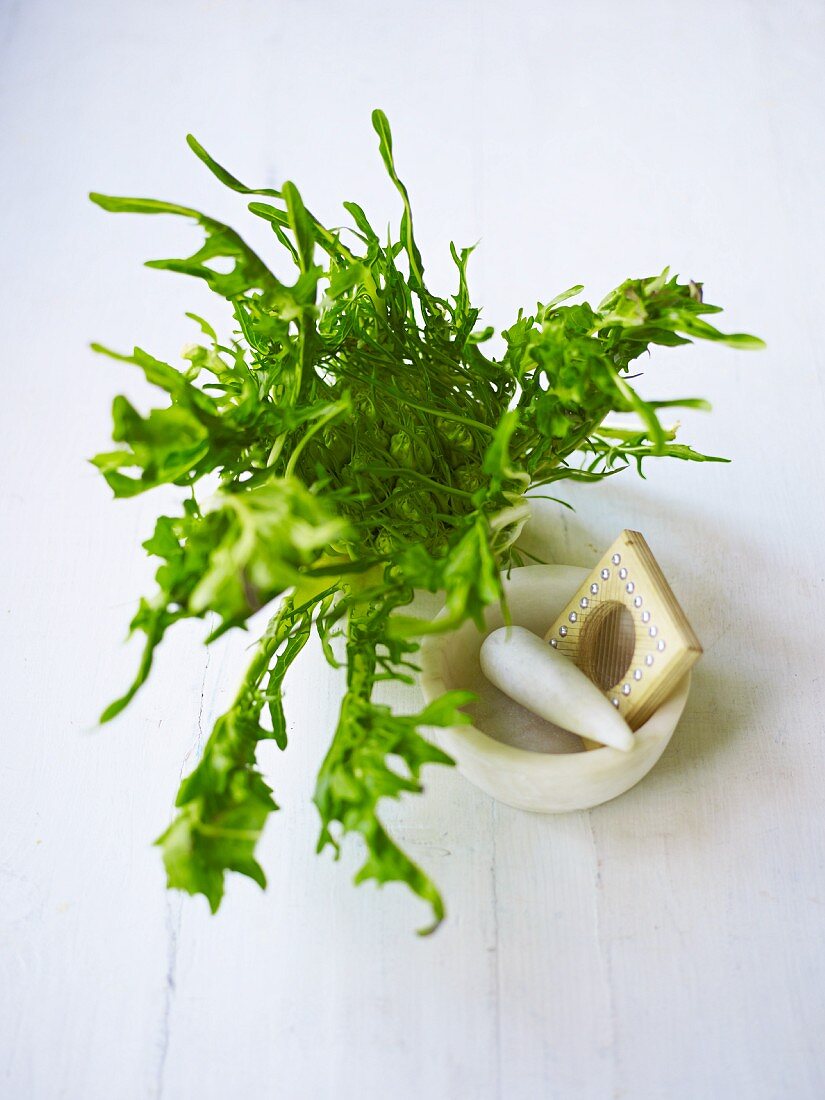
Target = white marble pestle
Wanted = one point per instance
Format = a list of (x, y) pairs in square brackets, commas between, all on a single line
[(528, 670)]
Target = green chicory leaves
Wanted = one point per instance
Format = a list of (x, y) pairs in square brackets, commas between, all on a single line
[(364, 446)]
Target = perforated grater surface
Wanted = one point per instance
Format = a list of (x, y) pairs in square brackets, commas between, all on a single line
[(625, 629)]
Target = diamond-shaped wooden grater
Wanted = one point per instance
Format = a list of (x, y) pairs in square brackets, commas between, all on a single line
[(625, 629)]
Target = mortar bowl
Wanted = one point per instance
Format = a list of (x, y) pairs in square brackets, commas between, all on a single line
[(513, 755)]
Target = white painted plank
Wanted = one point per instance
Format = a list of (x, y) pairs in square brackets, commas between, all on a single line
[(666, 944)]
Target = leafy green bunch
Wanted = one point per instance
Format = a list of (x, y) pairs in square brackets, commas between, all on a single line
[(350, 444)]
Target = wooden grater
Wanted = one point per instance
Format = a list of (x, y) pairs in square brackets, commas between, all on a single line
[(625, 629)]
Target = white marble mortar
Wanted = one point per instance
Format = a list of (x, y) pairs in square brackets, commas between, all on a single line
[(522, 760)]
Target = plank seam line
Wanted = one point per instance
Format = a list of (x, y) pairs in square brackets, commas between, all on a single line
[(174, 917), (496, 952), (603, 950)]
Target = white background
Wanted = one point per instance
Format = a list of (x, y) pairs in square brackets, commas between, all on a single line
[(666, 944)]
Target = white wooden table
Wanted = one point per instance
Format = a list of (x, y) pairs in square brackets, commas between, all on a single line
[(669, 944)]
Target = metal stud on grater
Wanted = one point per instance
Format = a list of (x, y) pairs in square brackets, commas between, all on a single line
[(625, 629)]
